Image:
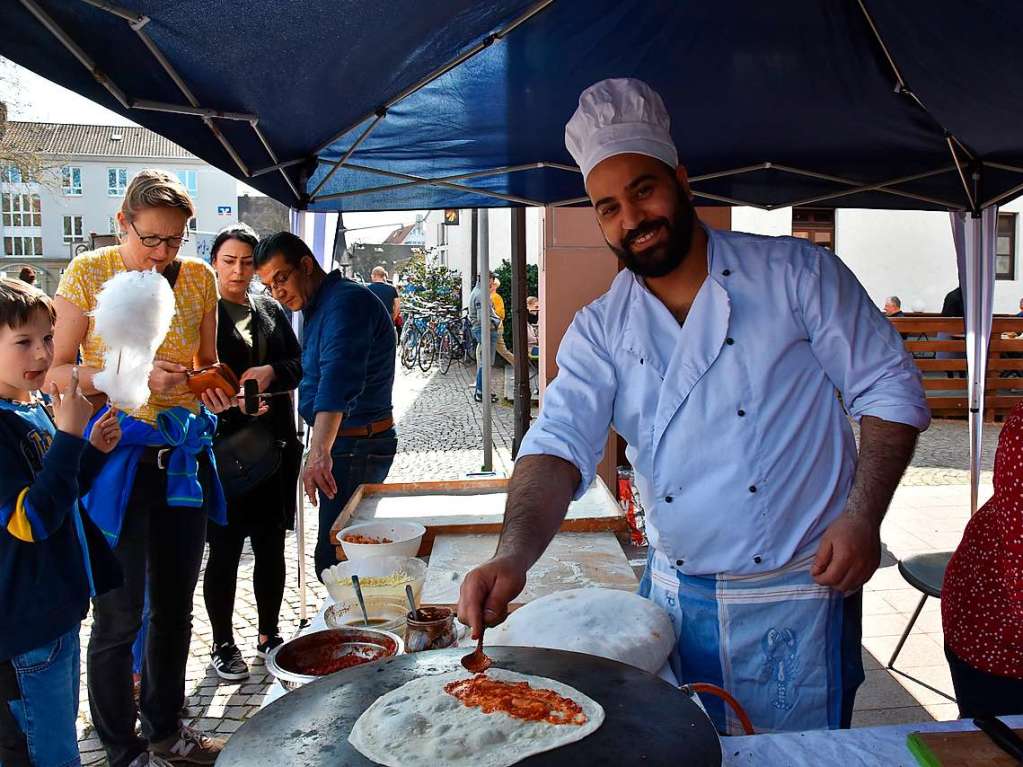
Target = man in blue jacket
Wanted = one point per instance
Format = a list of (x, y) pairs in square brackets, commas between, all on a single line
[(348, 373)]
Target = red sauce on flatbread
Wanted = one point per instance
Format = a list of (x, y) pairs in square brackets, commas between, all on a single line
[(517, 699)]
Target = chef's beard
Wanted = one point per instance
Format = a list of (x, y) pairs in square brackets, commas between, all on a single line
[(662, 259)]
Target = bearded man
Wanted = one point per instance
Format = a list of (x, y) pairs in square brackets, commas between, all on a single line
[(718, 356)]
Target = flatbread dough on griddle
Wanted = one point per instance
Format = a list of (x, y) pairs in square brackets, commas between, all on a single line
[(420, 725), (613, 624)]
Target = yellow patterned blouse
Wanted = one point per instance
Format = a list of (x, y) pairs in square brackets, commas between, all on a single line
[(195, 294)]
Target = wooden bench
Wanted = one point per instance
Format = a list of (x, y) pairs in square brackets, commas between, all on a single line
[(947, 396)]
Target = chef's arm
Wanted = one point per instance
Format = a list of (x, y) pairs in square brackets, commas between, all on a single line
[(539, 492), (886, 449), (850, 549)]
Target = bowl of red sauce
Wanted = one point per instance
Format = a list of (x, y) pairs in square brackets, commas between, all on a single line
[(320, 653)]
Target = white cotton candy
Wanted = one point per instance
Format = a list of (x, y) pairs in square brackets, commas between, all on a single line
[(133, 314)]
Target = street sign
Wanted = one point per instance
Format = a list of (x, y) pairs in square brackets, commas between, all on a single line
[(451, 217)]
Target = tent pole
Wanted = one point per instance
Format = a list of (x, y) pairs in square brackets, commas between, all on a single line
[(426, 181), (520, 344), (442, 70), (484, 350), (365, 134), (273, 156)]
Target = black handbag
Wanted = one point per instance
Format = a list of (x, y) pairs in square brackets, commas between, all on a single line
[(246, 458)]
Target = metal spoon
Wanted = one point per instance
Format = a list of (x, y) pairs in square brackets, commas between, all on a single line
[(358, 595), (411, 602), (477, 662)]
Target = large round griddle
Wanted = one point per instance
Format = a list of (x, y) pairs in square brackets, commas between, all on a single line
[(647, 721)]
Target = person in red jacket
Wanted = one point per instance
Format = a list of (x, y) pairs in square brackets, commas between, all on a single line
[(982, 597)]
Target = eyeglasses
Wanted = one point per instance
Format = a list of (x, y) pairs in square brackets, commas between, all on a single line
[(280, 279), (153, 240)]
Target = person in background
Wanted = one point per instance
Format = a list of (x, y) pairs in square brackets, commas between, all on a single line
[(1020, 312), (499, 310), (52, 558), (982, 596), (255, 340), (476, 320), (533, 326), (385, 291), (893, 307), (27, 275), (154, 494), (347, 378)]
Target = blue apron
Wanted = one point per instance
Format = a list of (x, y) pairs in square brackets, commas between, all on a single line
[(773, 640)]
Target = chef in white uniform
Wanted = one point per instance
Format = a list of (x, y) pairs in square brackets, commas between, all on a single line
[(719, 357)]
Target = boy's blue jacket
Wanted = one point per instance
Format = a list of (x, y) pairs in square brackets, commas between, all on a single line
[(45, 582)]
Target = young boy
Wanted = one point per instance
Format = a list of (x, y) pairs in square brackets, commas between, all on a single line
[(51, 556)]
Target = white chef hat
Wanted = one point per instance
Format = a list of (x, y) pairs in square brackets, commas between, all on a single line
[(619, 116)]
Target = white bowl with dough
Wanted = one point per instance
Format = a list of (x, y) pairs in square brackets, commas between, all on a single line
[(404, 538)]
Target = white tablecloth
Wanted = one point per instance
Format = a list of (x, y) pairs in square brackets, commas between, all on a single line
[(858, 747)]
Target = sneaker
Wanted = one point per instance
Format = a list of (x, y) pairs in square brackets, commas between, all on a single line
[(186, 746), (265, 648), (228, 662)]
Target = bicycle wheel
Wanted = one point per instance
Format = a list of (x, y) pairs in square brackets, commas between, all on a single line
[(455, 345), (445, 352), (410, 349), (427, 351)]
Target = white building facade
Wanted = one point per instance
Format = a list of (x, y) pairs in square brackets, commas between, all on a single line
[(909, 254), (47, 220)]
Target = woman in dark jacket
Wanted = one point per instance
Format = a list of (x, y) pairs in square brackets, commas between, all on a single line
[(256, 341)]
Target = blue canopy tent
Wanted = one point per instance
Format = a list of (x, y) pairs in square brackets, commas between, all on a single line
[(455, 103)]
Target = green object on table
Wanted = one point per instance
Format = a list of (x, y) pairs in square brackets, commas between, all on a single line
[(924, 756)]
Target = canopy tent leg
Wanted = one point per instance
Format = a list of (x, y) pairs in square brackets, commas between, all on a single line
[(520, 345), (484, 350), (974, 236)]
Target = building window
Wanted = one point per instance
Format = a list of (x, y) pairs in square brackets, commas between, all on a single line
[(1005, 247), (71, 180), (189, 179), (117, 181), (112, 226), (23, 246), (816, 225), (193, 224), (21, 209), (73, 229), (11, 174)]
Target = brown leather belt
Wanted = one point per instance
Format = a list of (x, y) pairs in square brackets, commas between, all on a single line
[(369, 430)]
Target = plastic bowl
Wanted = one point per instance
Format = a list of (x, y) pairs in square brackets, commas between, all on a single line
[(311, 656), (380, 578), (404, 538)]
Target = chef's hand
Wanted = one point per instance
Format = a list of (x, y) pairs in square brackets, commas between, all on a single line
[(317, 474), (166, 377), (849, 553), (487, 590)]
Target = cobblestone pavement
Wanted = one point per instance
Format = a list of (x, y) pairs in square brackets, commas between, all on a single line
[(439, 438)]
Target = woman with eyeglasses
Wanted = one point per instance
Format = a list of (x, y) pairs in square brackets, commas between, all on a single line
[(157, 489), (257, 341)]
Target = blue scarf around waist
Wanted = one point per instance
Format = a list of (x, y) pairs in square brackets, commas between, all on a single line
[(187, 435)]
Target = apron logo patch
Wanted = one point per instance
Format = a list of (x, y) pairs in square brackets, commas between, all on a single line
[(781, 662)]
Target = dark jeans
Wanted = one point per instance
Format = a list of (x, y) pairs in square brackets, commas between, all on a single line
[(166, 544), (477, 336), (852, 654), (221, 577), (357, 460), (979, 693)]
